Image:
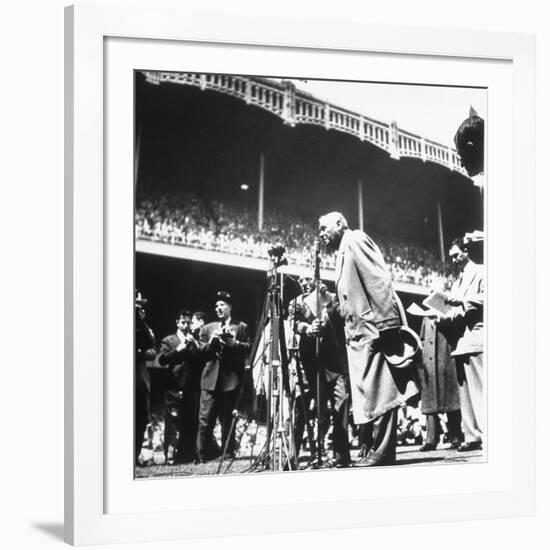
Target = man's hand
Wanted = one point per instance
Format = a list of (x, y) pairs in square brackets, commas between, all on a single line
[(188, 342), (228, 338), (314, 328), (455, 301), (150, 354)]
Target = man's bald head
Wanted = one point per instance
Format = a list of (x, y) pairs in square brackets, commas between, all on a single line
[(331, 229)]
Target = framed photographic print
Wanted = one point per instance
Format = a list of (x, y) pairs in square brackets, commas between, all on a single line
[(299, 271)]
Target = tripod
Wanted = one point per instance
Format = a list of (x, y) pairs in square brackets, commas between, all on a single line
[(278, 452)]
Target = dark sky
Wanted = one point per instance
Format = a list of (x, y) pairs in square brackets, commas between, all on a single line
[(211, 143)]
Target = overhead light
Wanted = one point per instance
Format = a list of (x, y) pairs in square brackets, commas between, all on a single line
[(244, 186)]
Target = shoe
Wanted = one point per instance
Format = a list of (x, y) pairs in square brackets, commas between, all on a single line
[(369, 461), (470, 446), (455, 445), (362, 461), (428, 447)]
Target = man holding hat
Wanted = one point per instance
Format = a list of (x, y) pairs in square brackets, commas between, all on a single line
[(225, 344), (380, 348)]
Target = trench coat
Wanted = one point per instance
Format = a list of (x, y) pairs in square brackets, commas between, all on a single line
[(369, 305), (437, 370)]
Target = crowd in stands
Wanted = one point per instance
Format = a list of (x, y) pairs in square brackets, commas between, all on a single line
[(185, 219)]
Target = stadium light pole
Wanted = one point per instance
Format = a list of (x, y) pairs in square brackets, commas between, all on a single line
[(360, 205), (261, 195), (440, 231)]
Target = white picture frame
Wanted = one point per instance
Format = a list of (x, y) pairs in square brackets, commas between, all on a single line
[(90, 480)]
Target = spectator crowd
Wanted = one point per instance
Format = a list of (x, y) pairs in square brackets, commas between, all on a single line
[(187, 220)]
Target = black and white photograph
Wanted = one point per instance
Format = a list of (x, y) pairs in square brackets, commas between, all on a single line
[(309, 274)]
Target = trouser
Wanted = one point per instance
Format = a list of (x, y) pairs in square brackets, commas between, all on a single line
[(181, 415), (141, 418), (469, 370), (381, 434), (334, 392), (216, 404), (339, 401), (433, 427)]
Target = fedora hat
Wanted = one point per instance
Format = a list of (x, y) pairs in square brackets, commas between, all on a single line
[(401, 348), (224, 297)]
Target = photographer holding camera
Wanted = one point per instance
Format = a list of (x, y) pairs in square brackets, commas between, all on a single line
[(225, 344), (179, 352)]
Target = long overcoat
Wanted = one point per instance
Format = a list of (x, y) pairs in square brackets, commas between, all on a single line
[(437, 371), (369, 305)]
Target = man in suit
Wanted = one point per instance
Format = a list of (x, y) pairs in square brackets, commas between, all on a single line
[(466, 318), (373, 316), (224, 344), (330, 364), (179, 352), (144, 351)]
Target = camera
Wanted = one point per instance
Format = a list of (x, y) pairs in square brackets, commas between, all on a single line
[(276, 253), (276, 250)]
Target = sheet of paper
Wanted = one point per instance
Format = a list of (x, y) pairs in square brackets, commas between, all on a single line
[(437, 300), (415, 309)]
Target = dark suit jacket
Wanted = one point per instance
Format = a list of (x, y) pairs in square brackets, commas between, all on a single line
[(224, 365), (332, 347), (184, 363), (369, 305), (145, 345)]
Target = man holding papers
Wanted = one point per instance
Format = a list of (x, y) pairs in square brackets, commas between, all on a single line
[(466, 316)]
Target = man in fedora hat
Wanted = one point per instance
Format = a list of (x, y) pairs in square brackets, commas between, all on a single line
[(225, 344), (379, 347)]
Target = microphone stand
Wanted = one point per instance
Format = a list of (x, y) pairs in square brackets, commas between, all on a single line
[(318, 461)]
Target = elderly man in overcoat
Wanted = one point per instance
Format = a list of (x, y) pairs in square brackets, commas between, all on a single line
[(373, 316)]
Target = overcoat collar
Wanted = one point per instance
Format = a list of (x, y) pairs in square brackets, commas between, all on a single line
[(340, 256)]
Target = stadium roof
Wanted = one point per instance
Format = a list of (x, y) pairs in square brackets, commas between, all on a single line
[(295, 106)]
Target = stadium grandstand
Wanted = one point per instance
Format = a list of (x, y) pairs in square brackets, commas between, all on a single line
[(223, 170), (231, 228)]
